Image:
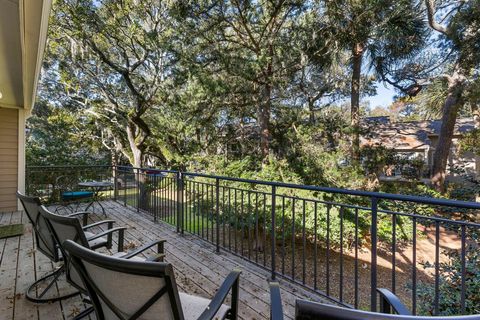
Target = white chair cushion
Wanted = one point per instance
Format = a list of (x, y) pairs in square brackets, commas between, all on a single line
[(193, 306)]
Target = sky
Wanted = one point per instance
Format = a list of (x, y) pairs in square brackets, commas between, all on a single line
[(383, 98)]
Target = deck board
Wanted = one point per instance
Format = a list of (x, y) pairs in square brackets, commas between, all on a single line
[(198, 269)]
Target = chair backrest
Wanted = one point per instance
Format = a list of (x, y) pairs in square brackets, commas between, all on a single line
[(126, 289), (65, 183), (44, 238), (66, 228), (307, 310)]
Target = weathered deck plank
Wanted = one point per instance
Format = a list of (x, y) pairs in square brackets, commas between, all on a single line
[(198, 269), (8, 273), (25, 274)]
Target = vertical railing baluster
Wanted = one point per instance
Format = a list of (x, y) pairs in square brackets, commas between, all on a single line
[(115, 182), (273, 232), (414, 266), (437, 268), (373, 274), (463, 271), (154, 199), (264, 230), (230, 219), (304, 243), (342, 209), (236, 219), (394, 248), (249, 240), (283, 235), (180, 200), (242, 223), (125, 187), (315, 250), (217, 205), (356, 260), (293, 238), (257, 226), (327, 265)]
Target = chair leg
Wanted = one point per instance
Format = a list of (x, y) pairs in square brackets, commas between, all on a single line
[(37, 291)]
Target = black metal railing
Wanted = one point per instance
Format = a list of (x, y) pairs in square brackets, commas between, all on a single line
[(342, 244), (43, 181)]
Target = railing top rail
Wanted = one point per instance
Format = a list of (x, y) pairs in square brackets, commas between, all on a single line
[(71, 166), (359, 193), (369, 194)]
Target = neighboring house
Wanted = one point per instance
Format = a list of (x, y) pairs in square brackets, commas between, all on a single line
[(417, 140), (23, 33)]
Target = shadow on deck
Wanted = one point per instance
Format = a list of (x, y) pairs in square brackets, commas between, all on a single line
[(198, 269)]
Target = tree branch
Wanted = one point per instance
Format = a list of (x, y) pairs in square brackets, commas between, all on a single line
[(431, 17)]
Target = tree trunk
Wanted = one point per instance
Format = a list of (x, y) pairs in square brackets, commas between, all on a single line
[(357, 56), (137, 161), (442, 149), (264, 123), (476, 122), (311, 110)]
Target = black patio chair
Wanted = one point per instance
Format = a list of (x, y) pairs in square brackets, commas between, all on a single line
[(68, 193), (124, 289), (41, 290), (66, 228), (390, 306)]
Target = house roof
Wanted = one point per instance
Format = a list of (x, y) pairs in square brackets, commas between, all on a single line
[(23, 33), (408, 136)]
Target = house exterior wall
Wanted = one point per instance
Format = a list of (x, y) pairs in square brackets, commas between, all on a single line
[(9, 158)]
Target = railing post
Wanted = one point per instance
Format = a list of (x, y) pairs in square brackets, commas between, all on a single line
[(115, 183), (137, 189), (179, 202), (373, 268), (217, 211), (274, 240), (124, 187)]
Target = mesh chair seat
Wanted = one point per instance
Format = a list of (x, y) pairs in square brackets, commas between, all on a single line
[(192, 306)]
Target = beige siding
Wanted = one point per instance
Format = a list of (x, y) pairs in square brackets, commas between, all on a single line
[(8, 159)]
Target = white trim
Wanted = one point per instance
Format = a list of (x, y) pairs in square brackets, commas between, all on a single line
[(42, 41), (21, 154)]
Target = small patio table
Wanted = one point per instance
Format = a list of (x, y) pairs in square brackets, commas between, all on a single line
[(97, 187)]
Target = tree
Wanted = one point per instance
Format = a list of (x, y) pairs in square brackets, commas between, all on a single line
[(61, 136), (114, 60), (460, 35), (385, 31), (251, 45)]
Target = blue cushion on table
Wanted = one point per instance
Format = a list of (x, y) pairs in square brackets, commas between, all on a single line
[(77, 194)]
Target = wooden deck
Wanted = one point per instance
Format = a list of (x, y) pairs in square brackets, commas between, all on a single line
[(198, 269)]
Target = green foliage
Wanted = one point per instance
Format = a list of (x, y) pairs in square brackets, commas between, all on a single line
[(470, 142), (450, 285), (58, 136)]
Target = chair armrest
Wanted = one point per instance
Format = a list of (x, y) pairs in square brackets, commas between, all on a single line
[(160, 248), (276, 309), (231, 282), (390, 302), (84, 215), (108, 233), (109, 222)]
